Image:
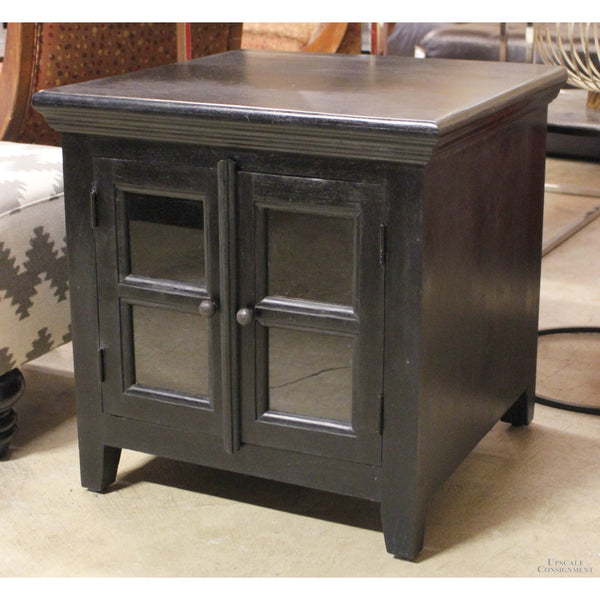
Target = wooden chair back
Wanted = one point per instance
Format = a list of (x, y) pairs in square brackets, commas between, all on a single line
[(44, 55)]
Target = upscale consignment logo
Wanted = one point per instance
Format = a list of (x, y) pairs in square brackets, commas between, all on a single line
[(565, 567)]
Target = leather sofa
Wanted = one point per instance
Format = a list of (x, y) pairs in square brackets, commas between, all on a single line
[(473, 41)]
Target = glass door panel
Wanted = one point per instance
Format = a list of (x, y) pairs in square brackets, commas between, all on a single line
[(176, 361), (166, 238), (306, 249), (310, 374), (157, 247), (310, 256)]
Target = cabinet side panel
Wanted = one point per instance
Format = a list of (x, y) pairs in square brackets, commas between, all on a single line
[(77, 166), (482, 260)]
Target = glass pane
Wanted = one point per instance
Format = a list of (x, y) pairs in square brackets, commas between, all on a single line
[(166, 238), (310, 374), (171, 350), (310, 256)]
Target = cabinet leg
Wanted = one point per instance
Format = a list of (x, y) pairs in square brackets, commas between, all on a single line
[(99, 467), (12, 385), (521, 412), (403, 529)]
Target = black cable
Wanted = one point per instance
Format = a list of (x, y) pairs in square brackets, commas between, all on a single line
[(554, 403)]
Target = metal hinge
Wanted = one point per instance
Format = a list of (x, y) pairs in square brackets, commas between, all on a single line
[(380, 414), (101, 368), (94, 207), (382, 243)]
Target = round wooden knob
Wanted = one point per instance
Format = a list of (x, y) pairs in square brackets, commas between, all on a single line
[(244, 316), (207, 308)]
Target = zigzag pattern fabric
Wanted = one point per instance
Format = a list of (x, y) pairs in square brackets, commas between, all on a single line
[(34, 288)]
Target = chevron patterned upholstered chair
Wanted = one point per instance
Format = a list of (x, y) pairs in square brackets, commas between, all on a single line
[(34, 297), (34, 290)]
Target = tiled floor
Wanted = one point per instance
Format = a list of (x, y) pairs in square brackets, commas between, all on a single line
[(523, 500)]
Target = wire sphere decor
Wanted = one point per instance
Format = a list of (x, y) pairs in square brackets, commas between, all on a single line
[(576, 47)]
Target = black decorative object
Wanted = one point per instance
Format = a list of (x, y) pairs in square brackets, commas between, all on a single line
[(12, 385)]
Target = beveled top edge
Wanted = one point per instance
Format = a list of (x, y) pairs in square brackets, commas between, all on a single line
[(390, 108), (281, 86)]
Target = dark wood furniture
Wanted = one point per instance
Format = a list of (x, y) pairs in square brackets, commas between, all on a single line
[(319, 269)]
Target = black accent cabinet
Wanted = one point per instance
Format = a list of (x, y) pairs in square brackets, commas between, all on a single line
[(319, 269)]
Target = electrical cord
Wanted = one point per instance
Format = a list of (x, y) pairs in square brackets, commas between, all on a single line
[(554, 403)]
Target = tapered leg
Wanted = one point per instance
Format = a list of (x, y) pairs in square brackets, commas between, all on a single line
[(521, 412), (12, 385), (403, 527), (98, 465)]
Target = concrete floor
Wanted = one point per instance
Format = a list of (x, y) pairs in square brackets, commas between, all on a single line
[(521, 502)]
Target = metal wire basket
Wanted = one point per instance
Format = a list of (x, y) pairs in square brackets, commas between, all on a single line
[(576, 47)]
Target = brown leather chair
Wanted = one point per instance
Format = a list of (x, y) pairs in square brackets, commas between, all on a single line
[(45, 55)]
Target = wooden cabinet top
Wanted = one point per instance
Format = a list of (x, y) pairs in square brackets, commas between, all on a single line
[(332, 104)]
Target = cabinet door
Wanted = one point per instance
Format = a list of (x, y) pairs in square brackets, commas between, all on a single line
[(310, 310), (157, 255)]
